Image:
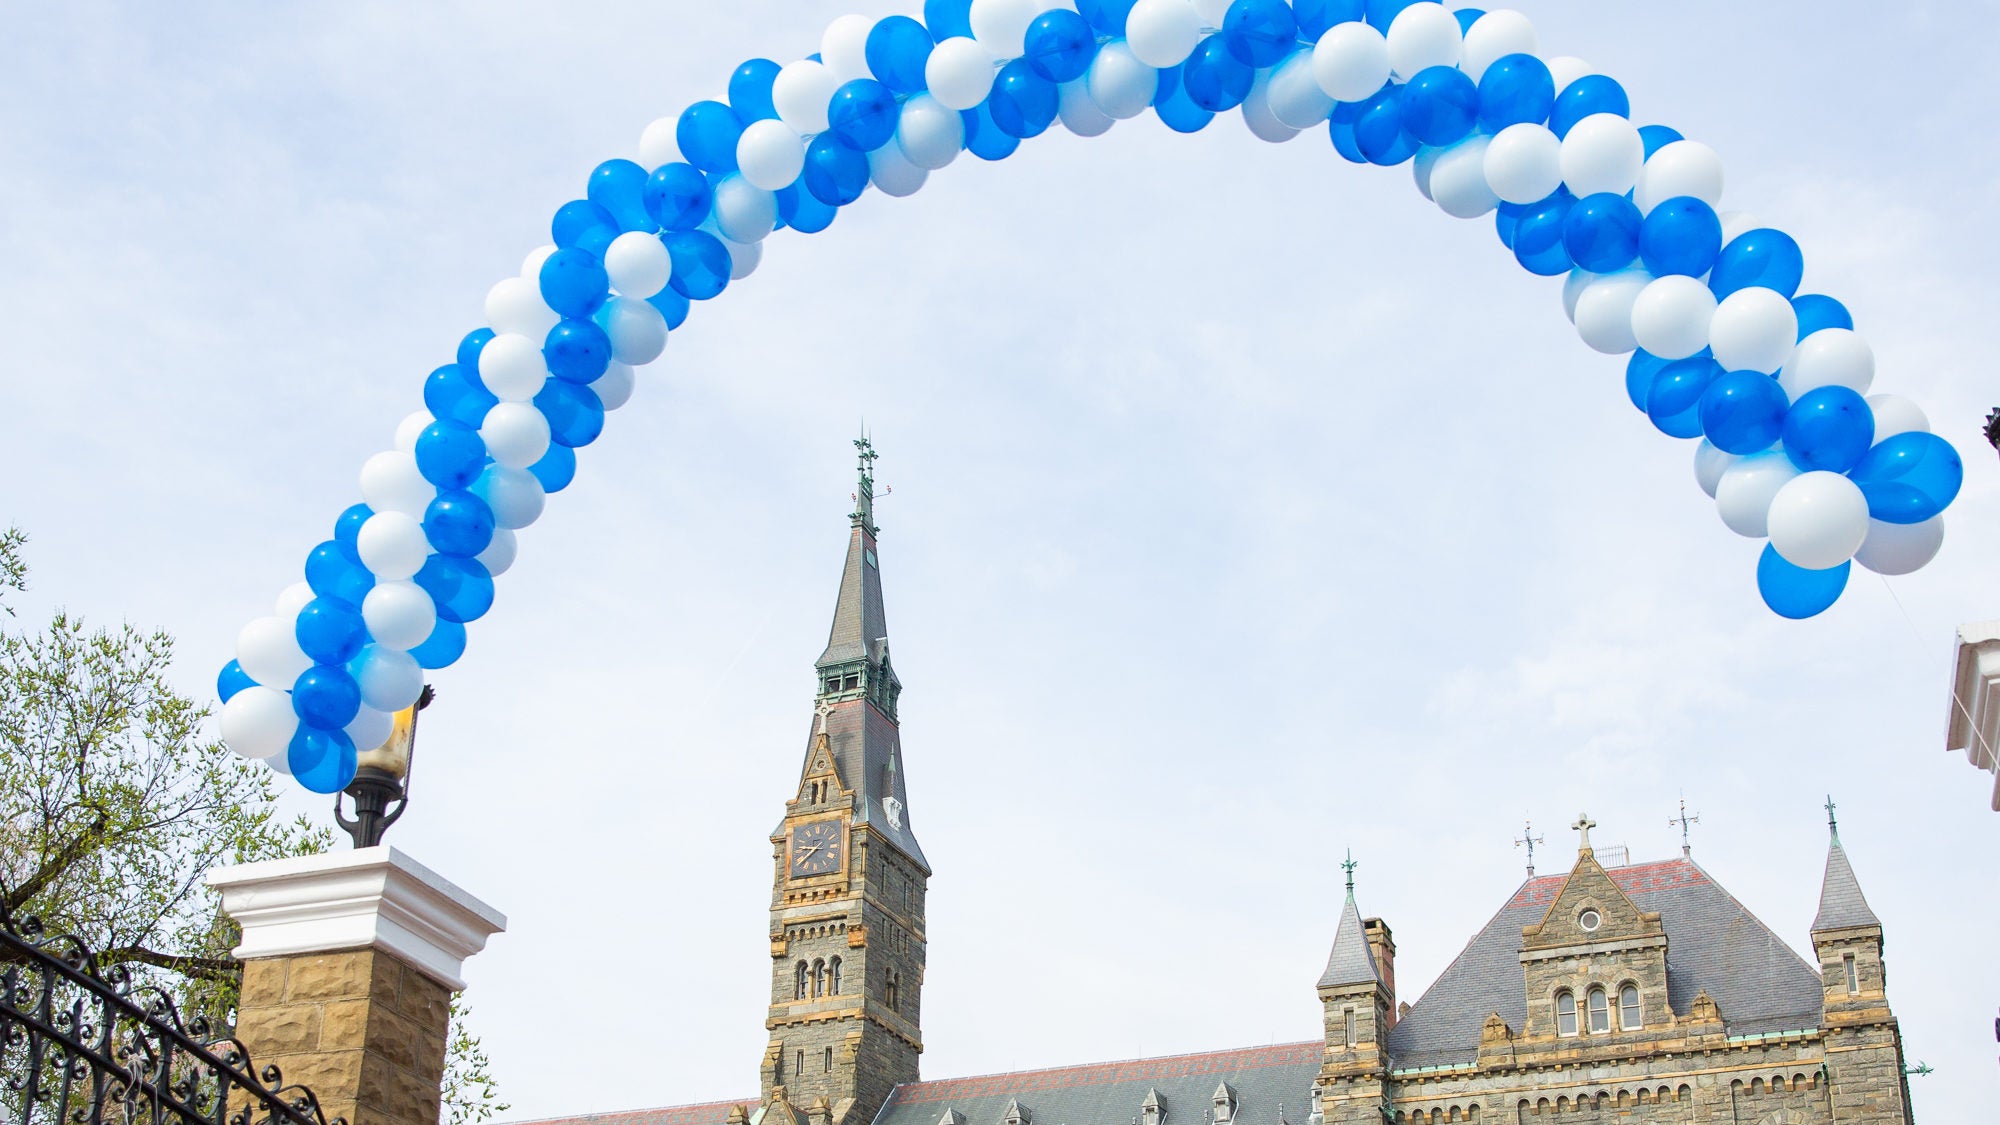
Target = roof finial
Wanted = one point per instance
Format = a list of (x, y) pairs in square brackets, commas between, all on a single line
[(1529, 840), (1684, 820), (1832, 825), (1348, 865), (864, 492), (1583, 825)]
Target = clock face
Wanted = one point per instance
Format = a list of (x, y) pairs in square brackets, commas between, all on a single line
[(816, 848)]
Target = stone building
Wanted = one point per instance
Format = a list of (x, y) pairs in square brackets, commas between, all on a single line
[(1635, 993)]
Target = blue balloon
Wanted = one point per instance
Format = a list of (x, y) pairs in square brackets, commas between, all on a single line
[(707, 134), (1829, 428), (1506, 217), (1316, 16), (1795, 592), (1381, 13), (983, 138), (468, 353), (701, 264), (1440, 105), (1817, 311), (1639, 372), (1215, 79), (619, 186), (750, 90), (862, 115), (449, 394), (1674, 401), (1023, 103), (1909, 477), (1656, 137), (325, 696), (231, 680), (1743, 412), (576, 350), (1761, 258), (459, 523), (556, 468), (1591, 94), (574, 282), (584, 225), (949, 18), (1538, 237), (1515, 89), (321, 760), (1060, 45), (1175, 109), (835, 174), (1260, 32), (461, 587), (575, 413), (1467, 17), (1601, 233), (333, 572), (445, 645), (678, 197), (671, 305), (1378, 129), (1340, 130), (897, 49), (450, 454), (801, 210), (330, 630), (1680, 236)]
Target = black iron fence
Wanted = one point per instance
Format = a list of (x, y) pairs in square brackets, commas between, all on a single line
[(82, 1044)]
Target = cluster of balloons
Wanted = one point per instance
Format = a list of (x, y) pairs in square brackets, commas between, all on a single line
[(1723, 347)]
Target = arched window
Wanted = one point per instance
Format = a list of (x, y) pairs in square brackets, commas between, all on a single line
[(819, 978), (803, 972), (1630, 1016), (1565, 1012), (833, 977), (1600, 1010)]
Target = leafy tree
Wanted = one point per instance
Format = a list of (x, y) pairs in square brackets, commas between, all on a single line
[(113, 806)]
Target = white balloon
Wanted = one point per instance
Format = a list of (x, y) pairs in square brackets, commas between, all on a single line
[(1743, 495), (801, 93), (1829, 357), (1895, 414), (892, 172), (1294, 94), (531, 266), (1119, 83), (1257, 114), (744, 212), (769, 155), (1737, 222), (294, 598), (1493, 36), (390, 678), (1709, 465), (1899, 548), (280, 762), (392, 545), (498, 556), (1677, 169), (959, 73), (1458, 181), (516, 434), (843, 49), (1420, 169), (512, 367), (1604, 311), (1753, 330), (1080, 115), (638, 263), (390, 482), (1001, 26), (1162, 33), (660, 143), (400, 615), (1818, 520), (638, 332), (1524, 163), (1602, 152), (258, 722), (1670, 318), (370, 728), (1565, 69), (1574, 283), (614, 387), (743, 259), (515, 495), (930, 135), (515, 305), (1424, 35), (1351, 61), (268, 651)]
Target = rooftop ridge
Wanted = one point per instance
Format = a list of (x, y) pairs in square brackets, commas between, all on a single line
[(1631, 878), (1022, 1082), (650, 1116)]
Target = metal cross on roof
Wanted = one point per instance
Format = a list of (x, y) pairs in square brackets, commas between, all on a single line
[(1348, 865), (1584, 824), (1684, 820), (1529, 840)]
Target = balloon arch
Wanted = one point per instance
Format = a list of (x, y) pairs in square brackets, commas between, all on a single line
[(1722, 346)]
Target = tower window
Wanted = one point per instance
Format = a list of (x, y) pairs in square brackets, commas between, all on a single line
[(819, 978), (1631, 1016), (1590, 920), (1565, 1012), (802, 1064), (1853, 975), (1350, 1027), (1600, 1010), (829, 1060), (833, 977), (850, 683), (804, 972), (833, 683), (889, 990)]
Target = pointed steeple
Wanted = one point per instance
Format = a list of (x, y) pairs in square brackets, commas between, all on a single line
[(1351, 961), (1840, 900), (860, 633)]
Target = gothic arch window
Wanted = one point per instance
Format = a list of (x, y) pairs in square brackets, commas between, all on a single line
[(819, 978), (1565, 1012), (1631, 1015), (833, 977), (804, 972), (1600, 1010)]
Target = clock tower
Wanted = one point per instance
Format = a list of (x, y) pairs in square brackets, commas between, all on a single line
[(848, 879)]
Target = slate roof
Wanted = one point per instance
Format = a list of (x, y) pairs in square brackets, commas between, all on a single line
[(858, 619), (1714, 944), (1840, 901), (1351, 961), (707, 1113)]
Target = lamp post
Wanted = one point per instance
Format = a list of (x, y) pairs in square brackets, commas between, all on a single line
[(382, 778)]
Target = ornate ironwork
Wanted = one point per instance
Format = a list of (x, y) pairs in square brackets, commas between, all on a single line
[(84, 1044)]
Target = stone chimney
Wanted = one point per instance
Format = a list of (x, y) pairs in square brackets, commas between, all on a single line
[(1383, 946)]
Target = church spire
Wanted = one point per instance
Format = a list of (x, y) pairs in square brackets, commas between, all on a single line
[(858, 643), (1841, 903)]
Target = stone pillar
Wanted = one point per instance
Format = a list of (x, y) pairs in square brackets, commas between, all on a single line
[(349, 963)]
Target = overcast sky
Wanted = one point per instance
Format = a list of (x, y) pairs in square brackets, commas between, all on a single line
[(1246, 509)]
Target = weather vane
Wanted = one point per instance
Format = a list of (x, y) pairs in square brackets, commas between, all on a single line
[(1684, 820), (1529, 840)]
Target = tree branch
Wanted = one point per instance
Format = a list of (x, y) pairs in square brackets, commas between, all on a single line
[(71, 852)]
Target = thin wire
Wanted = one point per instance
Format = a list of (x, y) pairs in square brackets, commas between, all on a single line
[(1918, 636)]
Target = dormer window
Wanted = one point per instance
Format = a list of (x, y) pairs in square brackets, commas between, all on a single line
[(1225, 1104), (1590, 920), (1153, 1110), (1600, 1011), (1565, 1012)]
